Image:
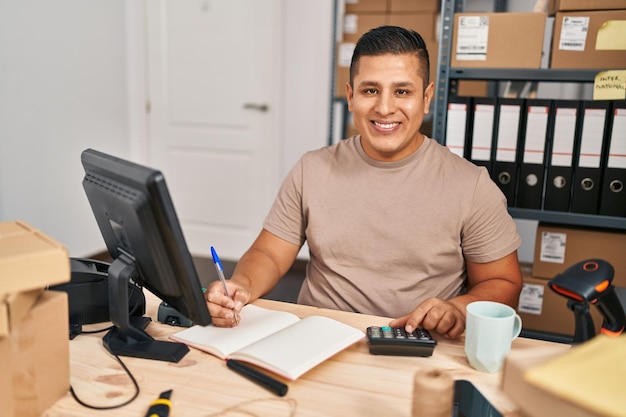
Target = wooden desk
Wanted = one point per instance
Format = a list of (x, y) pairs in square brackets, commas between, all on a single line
[(352, 383)]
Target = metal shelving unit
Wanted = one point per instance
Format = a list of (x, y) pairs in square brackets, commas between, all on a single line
[(447, 78)]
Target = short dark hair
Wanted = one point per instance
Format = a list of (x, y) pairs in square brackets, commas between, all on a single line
[(391, 40)]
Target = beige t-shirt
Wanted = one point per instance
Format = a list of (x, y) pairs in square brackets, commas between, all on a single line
[(384, 236)]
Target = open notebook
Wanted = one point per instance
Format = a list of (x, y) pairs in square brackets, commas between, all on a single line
[(278, 341)]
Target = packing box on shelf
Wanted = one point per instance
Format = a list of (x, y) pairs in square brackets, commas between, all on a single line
[(401, 6), (35, 355), (559, 247), (423, 23), (573, 5), (589, 39), (498, 40), (542, 310), (356, 24), (366, 6), (29, 259)]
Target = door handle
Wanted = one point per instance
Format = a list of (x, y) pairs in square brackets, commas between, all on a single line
[(255, 106)]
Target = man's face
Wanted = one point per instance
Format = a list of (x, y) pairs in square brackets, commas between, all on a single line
[(388, 103)]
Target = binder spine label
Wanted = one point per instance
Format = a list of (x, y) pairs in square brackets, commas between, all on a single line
[(564, 134), (483, 132), (536, 127), (591, 142), (455, 130), (507, 133), (617, 152)]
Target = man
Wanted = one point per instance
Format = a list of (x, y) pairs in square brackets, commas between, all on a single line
[(396, 224)]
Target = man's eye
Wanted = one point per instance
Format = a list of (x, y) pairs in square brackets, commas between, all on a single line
[(370, 91), (402, 92)]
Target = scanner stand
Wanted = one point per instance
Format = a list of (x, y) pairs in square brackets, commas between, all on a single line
[(584, 327), (127, 337)]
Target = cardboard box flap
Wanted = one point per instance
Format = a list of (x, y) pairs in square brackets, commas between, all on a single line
[(29, 259), (8, 229), (590, 375), (531, 400), (20, 304)]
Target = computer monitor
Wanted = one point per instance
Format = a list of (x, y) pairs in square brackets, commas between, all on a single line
[(136, 217)]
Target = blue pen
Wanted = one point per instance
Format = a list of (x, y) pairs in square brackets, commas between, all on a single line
[(220, 275)]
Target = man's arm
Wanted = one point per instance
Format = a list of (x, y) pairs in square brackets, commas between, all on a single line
[(500, 281), (257, 272)]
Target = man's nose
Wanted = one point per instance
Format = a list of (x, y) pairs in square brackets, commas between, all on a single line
[(385, 104)]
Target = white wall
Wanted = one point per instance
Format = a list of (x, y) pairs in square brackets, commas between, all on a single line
[(62, 89), (308, 61), (71, 78)]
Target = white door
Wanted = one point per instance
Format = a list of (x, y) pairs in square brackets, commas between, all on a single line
[(213, 87)]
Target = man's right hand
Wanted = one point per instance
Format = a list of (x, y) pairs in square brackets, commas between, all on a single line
[(225, 311)]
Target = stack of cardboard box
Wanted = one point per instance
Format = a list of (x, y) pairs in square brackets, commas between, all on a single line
[(34, 334), (557, 248)]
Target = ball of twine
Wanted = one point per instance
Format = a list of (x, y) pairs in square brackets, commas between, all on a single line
[(433, 393)]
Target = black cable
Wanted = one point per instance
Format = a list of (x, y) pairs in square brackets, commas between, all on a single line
[(110, 407), (130, 375)]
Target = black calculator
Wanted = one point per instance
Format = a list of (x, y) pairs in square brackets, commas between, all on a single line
[(385, 340)]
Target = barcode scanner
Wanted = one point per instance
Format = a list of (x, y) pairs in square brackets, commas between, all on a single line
[(590, 282)]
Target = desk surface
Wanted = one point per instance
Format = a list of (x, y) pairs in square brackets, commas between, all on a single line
[(352, 382)]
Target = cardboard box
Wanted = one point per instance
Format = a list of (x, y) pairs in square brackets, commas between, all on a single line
[(558, 247), (589, 376), (579, 5), (366, 6), (498, 40), (530, 400), (38, 357), (593, 39), (543, 310), (6, 387), (473, 88), (402, 6), (29, 259), (356, 25), (423, 23)]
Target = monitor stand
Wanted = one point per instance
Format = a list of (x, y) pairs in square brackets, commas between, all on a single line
[(127, 337)]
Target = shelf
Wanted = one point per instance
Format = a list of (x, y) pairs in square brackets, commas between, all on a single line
[(573, 219), (511, 74)]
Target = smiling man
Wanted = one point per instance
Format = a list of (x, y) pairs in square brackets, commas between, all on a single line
[(396, 224)]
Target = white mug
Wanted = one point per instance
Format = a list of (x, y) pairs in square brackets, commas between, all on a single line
[(490, 328)]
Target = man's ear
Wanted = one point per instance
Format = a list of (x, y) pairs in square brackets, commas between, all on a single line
[(349, 95), (428, 96)]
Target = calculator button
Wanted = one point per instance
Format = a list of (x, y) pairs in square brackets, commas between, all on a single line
[(375, 332), (387, 332), (399, 333)]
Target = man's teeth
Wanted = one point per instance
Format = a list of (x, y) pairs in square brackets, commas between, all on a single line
[(385, 125)]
